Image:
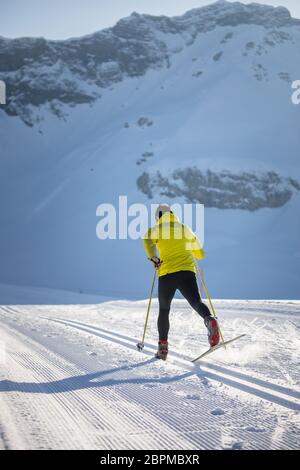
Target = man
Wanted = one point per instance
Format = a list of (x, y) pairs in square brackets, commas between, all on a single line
[(177, 246)]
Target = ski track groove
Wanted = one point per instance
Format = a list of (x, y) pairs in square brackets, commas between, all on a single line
[(88, 409), (85, 408), (248, 436), (106, 336), (130, 342), (49, 414), (188, 420), (111, 417), (98, 411)]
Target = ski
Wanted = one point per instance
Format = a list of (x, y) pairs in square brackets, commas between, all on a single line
[(218, 346)]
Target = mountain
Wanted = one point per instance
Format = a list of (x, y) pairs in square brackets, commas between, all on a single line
[(195, 108)]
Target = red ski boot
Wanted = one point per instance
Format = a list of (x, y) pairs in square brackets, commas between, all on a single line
[(162, 351), (212, 331)]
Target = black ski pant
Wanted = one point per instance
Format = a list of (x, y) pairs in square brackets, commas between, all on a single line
[(186, 283)]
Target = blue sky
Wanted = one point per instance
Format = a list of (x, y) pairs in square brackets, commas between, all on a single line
[(60, 19)]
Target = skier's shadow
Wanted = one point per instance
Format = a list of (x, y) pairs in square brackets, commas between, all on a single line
[(92, 380), (97, 380), (233, 379)]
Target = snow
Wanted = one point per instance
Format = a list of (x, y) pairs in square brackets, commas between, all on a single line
[(72, 377), (70, 374)]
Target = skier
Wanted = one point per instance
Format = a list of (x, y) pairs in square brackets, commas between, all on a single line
[(177, 246)]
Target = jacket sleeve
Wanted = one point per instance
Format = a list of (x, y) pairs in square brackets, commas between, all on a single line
[(193, 244), (149, 245)]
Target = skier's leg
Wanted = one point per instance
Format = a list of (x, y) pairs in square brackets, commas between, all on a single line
[(189, 289), (166, 292)]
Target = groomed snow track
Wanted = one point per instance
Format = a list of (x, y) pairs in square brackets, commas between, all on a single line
[(54, 396)]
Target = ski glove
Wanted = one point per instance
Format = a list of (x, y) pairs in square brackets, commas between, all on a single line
[(156, 262)]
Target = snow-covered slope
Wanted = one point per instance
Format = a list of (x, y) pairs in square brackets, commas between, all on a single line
[(191, 109), (71, 377)]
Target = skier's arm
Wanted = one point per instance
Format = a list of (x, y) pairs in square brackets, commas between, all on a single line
[(193, 244), (149, 245)]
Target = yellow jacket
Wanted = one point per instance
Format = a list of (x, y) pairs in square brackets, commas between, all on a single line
[(176, 244)]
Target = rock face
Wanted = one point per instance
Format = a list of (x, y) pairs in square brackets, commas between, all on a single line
[(223, 190), (40, 72)]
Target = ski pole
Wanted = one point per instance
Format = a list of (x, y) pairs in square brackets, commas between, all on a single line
[(140, 345), (208, 296)]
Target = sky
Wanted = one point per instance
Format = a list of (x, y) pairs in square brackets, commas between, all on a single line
[(61, 19)]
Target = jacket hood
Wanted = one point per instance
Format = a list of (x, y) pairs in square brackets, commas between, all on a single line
[(168, 217)]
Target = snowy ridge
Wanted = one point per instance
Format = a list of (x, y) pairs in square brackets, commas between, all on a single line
[(39, 71), (207, 94)]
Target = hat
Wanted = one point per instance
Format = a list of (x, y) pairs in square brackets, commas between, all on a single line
[(162, 209)]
